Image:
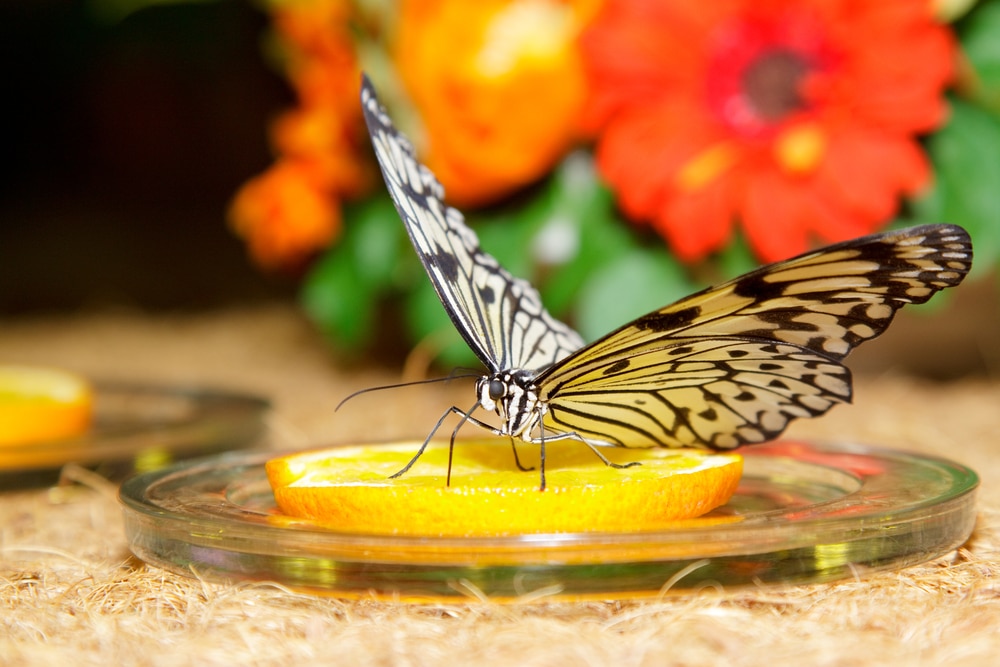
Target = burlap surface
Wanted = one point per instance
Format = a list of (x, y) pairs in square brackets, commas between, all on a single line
[(71, 594)]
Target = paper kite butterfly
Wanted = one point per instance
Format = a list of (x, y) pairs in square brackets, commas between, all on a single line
[(727, 366)]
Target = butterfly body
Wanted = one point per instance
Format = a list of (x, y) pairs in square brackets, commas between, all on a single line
[(513, 397), (731, 365)]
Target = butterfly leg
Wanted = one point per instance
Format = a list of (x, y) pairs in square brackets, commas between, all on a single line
[(541, 462), (517, 459), (427, 440), (466, 416), (604, 459), (576, 436), (541, 453)]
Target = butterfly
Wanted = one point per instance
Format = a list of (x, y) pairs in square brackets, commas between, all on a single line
[(731, 365)]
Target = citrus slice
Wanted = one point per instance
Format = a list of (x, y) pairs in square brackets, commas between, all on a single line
[(40, 404), (350, 489)]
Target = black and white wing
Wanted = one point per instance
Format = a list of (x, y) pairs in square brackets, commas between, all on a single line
[(734, 364), (501, 317)]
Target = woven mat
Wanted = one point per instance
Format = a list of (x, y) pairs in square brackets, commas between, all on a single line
[(70, 593)]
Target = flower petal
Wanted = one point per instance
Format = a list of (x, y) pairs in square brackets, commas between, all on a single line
[(868, 170), (284, 215), (644, 153), (499, 87), (631, 56), (697, 223), (851, 81)]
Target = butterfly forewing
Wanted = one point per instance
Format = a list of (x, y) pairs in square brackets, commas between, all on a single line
[(501, 317), (829, 300), (735, 363)]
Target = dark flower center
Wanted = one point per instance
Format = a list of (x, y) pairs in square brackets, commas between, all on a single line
[(757, 70), (771, 84)]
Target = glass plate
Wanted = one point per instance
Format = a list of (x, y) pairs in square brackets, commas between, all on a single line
[(139, 428), (803, 513)]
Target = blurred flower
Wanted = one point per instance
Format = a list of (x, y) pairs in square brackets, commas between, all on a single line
[(318, 135), (285, 215), (797, 117), (499, 86), (292, 210), (951, 10)]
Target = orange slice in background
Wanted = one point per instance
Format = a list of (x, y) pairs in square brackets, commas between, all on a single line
[(41, 404), (349, 488)]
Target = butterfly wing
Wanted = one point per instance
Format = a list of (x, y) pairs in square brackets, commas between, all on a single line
[(501, 317), (736, 363)]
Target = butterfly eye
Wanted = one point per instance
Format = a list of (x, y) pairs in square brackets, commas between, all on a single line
[(497, 389)]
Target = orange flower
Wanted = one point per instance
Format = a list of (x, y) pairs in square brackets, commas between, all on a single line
[(797, 117), (320, 55), (318, 135), (498, 84), (285, 214), (313, 25), (292, 210)]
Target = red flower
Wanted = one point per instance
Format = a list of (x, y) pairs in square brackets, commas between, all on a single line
[(796, 117)]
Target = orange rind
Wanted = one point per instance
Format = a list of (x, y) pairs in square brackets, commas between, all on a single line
[(42, 404), (350, 489)]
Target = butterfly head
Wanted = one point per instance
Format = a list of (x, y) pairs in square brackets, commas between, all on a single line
[(513, 396)]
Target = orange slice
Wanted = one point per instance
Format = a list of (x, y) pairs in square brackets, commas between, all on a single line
[(348, 488), (40, 404)]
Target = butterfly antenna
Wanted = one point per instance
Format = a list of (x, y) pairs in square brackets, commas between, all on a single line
[(465, 417), (412, 383)]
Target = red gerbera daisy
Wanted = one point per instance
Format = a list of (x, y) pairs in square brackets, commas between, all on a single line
[(797, 117)]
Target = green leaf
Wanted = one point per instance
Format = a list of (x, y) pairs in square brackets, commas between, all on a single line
[(634, 284), (737, 258), (338, 301), (980, 39), (507, 237), (342, 290), (430, 325), (582, 218), (949, 11), (966, 157), (375, 237)]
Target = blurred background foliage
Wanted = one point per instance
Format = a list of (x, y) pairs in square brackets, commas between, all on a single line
[(137, 124)]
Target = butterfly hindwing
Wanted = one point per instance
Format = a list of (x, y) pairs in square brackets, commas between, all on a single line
[(713, 392), (501, 317), (735, 363)]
